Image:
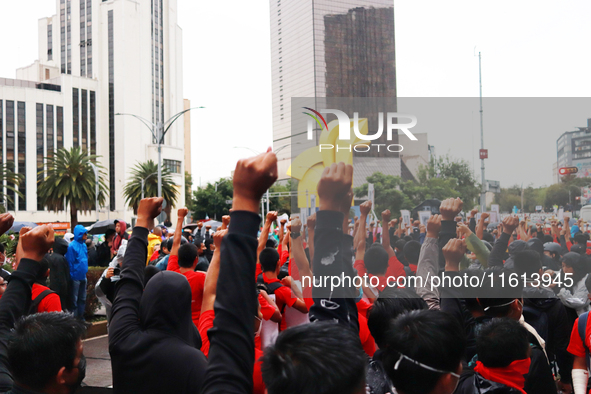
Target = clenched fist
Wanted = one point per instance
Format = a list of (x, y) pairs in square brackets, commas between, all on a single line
[(252, 178), (334, 185), (365, 208), (450, 208), (510, 223), (453, 252), (434, 226)]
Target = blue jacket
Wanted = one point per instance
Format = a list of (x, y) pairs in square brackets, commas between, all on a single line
[(77, 254)]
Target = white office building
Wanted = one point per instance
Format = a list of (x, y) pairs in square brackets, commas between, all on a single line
[(97, 58)]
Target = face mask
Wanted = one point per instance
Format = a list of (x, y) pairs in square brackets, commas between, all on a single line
[(81, 373)]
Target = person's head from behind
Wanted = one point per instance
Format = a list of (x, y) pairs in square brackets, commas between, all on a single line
[(388, 307), (42, 272), (500, 298), (45, 352), (110, 235), (157, 231), (376, 260), (488, 237), (574, 265), (187, 256), (424, 351), (528, 262), (502, 341), (412, 250), (399, 245), (89, 243), (317, 358), (269, 259), (209, 245), (581, 239), (552, 250)]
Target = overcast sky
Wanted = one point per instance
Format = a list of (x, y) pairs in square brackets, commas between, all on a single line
[(529, 49)]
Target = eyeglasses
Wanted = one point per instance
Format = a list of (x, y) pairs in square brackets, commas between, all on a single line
[(402, 356)]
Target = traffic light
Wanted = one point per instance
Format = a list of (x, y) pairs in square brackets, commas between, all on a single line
[(568, 170)]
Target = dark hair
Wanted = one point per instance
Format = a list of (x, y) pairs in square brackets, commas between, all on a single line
[(500, 342), (497, 293), (110, 232), (412, 250), (385, 310), (433, 338), (208, 242), (376, 260), (149, 272), (2, 248), (41, 277), (270, 243), (527, 262), (269, 258), (41, 344), (168, 243), (547, 238), (407, 238), (578, 263), (318, 358), (400, 244), (187, 255), (486, 236), (581, 239)]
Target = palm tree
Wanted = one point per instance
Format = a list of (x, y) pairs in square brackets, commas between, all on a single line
[(148, 172), (12, 181), (70, 181)]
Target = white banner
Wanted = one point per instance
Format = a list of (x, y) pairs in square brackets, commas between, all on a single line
[(424, 217), (405, 216)]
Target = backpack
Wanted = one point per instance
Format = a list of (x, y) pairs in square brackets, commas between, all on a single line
[(538, 319), (582, 327), (38, 299), (270, 288)]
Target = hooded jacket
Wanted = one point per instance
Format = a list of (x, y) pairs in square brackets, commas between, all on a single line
[(153, 240), (59, 271), (473, 383), (121, 235), (77, 254), (153, 342)]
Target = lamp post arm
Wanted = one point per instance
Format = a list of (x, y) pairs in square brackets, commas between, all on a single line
[(148, 124)]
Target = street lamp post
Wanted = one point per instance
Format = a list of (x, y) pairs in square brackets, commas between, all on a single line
[(159, 131), (96, 189)]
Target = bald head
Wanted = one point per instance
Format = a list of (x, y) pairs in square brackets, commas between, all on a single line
[(158, 231)]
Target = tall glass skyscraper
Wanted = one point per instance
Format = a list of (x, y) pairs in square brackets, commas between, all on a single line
[(331, 48)]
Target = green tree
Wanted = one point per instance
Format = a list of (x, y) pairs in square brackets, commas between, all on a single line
[(558, 194), (281, 204), (148, 171), (387, 193), (208, 201), (70, 181), (446, 167), (188, 190), (12, 181)]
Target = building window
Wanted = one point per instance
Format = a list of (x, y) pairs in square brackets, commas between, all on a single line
[(39, 134), (92, 123), (22, 150), (49, 129), (173, 166), (60, 128), (63, 35), (75, 117), (89, 38), (49, 42), (69, 35), (10, 149), (84, 131), (111, 114), (82, 39)]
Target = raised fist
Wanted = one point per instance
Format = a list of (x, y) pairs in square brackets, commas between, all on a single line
[(464, 230), (296, 225), (271, 216), (484, 216), (218, 236), (434, 226), (6, 221), (473, 213), (225, 221), (365, 208), (182, 212), (453, 252), (335, 183), (450, 208), (510, 223), (252, 178), (149, 209), (36, 242)]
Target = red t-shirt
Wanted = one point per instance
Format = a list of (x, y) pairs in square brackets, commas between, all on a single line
[(283, 297), (267, 310), (155, 255), (367, 341), (205, 323), (50, 303), (196, 281), (395, 269)]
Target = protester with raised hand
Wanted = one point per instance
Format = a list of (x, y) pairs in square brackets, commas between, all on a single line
[(498, 252), (475, 245), (151, 329), (428, 266), (231, 351), (41, 352), (449, 209)]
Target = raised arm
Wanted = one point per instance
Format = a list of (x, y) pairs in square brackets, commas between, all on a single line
[(365, 209), (271, 217), (428, 266), (311, 228), (480, 226), (386, 234), (497, 254), (129, 289), (231, 352), (299, 255), (211, 279), (475, 245), (178, 232)]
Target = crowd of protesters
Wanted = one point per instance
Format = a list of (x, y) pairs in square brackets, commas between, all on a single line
[(238, 308)]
